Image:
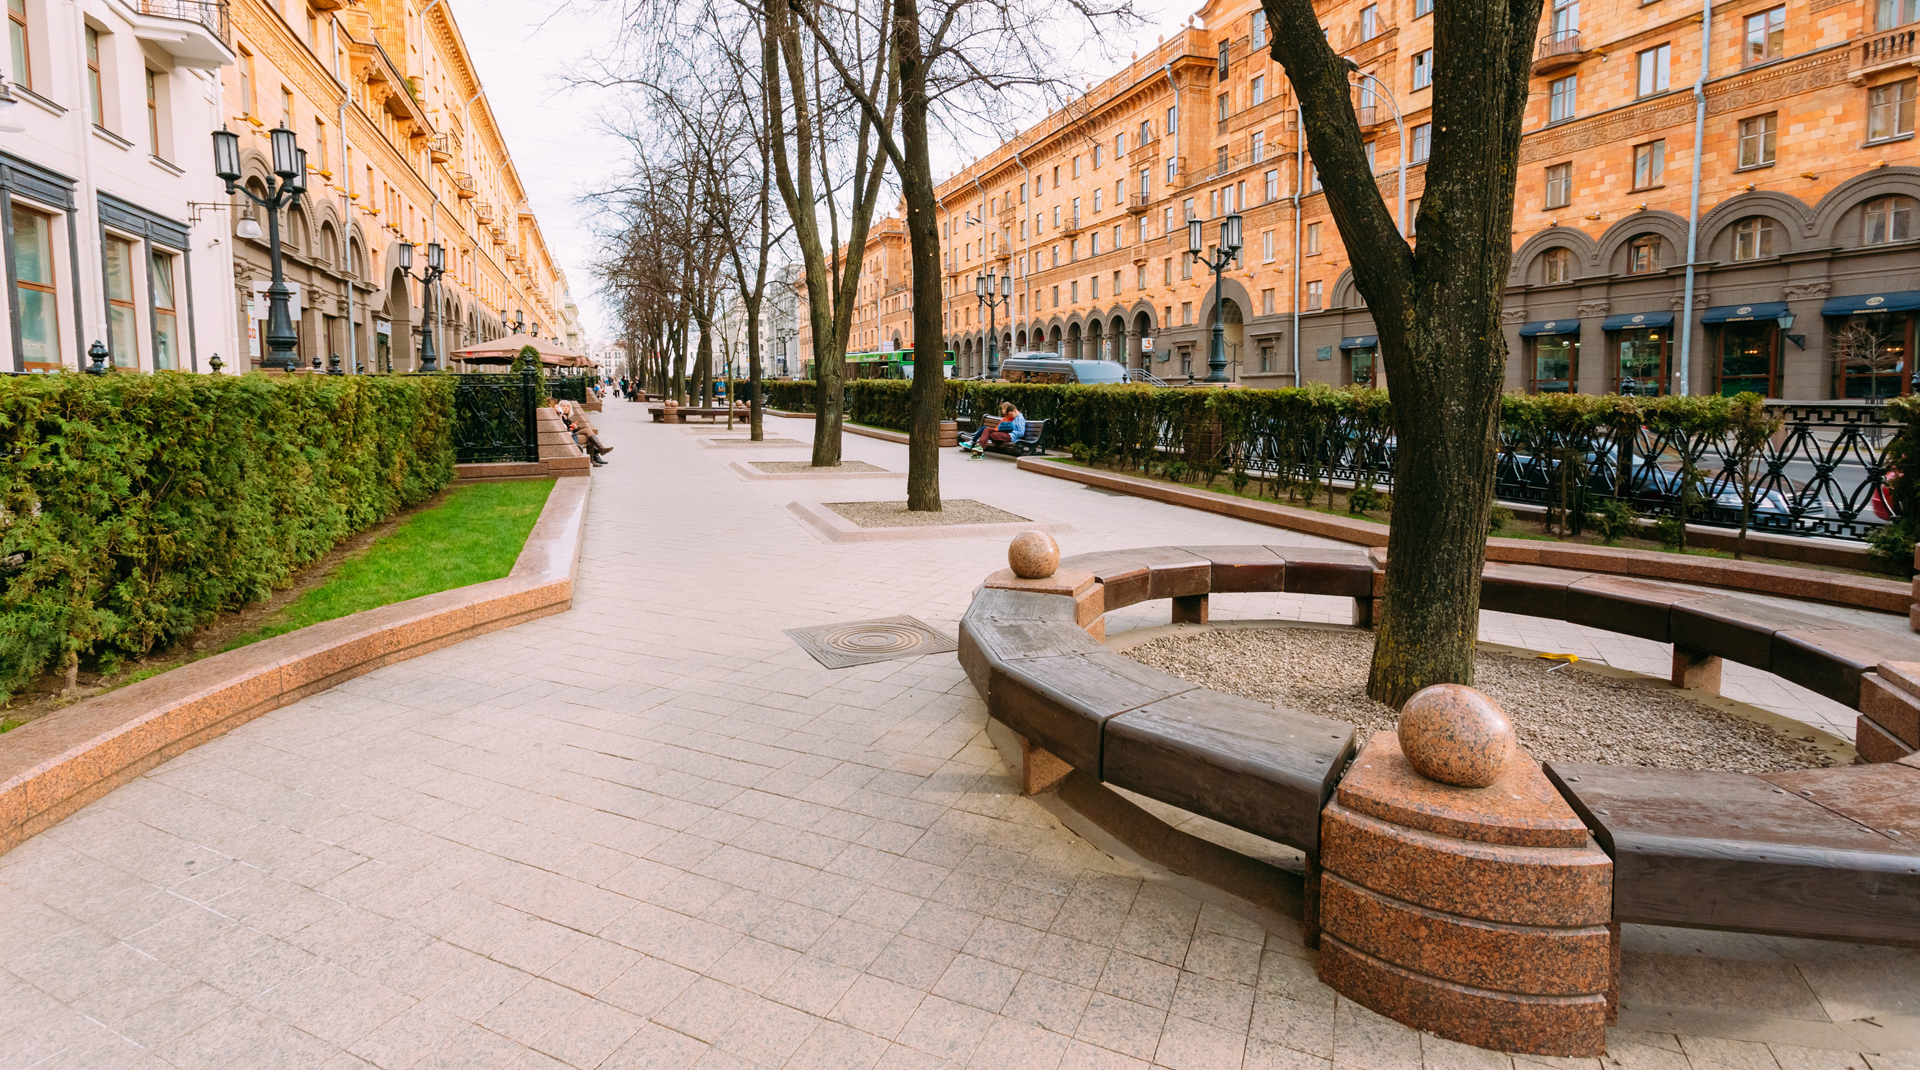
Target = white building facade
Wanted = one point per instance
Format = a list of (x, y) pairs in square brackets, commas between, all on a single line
[(115, 226)]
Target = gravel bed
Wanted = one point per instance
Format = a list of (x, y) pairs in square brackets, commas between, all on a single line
[(722, 440), (1567, 715), (895, 514), (807, 466)]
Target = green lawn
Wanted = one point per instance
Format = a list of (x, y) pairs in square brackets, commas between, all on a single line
[(473, 535)]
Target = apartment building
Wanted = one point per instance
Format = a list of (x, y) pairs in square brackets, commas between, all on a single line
[(1806, 280), (107, 192), (402, 149)]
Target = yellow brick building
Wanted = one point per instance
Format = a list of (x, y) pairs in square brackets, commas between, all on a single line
[(402, 148), (1807, 271)]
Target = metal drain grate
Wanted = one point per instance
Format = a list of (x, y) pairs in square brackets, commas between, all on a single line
[(839, 646)]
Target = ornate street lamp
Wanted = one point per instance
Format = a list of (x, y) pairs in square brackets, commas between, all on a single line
[(1217, 260), (436, 267), (986, 292), (290, 164)]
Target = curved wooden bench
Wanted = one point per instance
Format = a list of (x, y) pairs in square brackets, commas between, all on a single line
[(1820, 853)]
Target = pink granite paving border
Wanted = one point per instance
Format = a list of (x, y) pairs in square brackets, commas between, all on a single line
[(52, 767), (1787, 581), (746, 470), (832, 527)]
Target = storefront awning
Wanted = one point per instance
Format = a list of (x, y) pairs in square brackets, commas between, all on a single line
[(1634, 321), (1760, 310), (1360, 341), (1898, 301), (1539, 327)]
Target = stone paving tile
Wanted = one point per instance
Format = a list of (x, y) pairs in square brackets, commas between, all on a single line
[(651, 832)]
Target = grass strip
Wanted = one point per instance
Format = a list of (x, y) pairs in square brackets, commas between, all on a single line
[(473, 535)]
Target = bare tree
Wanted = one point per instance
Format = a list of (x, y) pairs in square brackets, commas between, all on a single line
[(953, 63), (1436, 309)]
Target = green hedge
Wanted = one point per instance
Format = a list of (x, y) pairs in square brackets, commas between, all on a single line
[(787, 395), (137, 507)]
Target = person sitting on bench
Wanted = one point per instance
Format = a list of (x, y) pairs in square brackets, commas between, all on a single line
[(1009, 428), (584, 433)]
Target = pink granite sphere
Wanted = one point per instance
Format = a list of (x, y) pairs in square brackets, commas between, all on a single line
[(1456, 735), (1033, 555)]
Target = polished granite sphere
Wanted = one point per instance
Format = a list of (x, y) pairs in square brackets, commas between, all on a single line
[(1456, 735), (1033, 555)]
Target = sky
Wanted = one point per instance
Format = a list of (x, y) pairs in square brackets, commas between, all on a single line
[(524, 50)]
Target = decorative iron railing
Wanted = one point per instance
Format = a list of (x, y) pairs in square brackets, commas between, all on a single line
[(1822, 474), (494, 418), (568, 388), (211, 14)]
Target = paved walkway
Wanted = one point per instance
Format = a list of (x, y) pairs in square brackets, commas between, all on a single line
[(652, 833)]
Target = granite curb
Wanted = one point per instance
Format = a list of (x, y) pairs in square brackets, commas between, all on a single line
[(1889, 596), (52, 767)]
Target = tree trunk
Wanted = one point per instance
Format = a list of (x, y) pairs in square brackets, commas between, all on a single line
[(916, 188), (1437, 311)]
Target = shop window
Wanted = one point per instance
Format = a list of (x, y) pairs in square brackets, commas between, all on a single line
[(1554, 363), (1753, 238), (1749, 354), (1360, 366), (166, 323), (34, 287), (1757, 140), (1871, 354), (1890, 111), (1766, 36), (1643, 254), (1640, 365), (1888, 219), (1557, 265)]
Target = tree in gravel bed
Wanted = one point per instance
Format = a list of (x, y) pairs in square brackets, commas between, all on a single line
[(1436, 309)]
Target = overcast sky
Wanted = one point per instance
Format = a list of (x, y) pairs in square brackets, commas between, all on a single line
[(525, 48)]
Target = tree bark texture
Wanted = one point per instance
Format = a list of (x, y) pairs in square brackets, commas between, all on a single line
[(1436, 310), (929, 337)]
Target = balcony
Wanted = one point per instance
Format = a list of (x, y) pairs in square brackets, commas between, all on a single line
[(1894, 49), (194, 32), (463, 186), (1072, 226), (1139, 204), (1560, 50), (483, 213)]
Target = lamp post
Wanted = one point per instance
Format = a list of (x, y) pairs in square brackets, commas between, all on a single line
[(290, 165), (993, 295), (1217, 260), (436, 267)]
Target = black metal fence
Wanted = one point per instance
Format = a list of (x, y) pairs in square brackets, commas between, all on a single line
[(568, 388), (1822, 474), (494, 418)]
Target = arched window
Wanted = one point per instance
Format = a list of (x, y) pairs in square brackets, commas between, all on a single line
[(1753, 238), (329, 245), (356, 261), (296, 228), (1643, 254), (1888, 219), (1557, 265)]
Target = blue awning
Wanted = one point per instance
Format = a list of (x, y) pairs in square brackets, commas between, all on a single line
[(1898, 301), (1539, 327), (1633, 321), (1360, 341), (1759, 310)]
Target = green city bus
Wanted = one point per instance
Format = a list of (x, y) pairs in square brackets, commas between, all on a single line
[(886, 364)]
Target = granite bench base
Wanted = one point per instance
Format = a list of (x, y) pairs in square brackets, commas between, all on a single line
[(1489, 916)]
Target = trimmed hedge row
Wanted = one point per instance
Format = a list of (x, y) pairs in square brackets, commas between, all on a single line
[(134, 508)]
